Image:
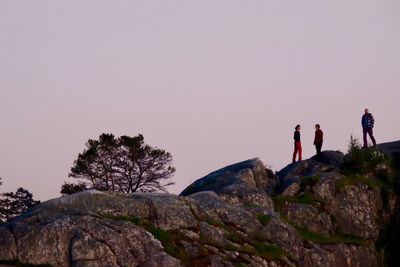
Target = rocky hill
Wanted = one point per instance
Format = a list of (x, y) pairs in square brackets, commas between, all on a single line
[(312, 213)]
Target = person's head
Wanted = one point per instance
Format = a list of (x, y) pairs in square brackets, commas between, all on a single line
[(317, 126), (298, 127), (366, 111)]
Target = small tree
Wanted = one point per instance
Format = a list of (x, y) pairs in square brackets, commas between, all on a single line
[(125, 164), (70, 188), (14, 204)]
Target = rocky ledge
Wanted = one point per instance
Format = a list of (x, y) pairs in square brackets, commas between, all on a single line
[(308, 214)]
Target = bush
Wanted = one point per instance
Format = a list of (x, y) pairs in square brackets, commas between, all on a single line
[(362, 160)]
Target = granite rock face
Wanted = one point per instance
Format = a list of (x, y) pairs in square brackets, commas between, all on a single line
[(247, 183), (241, 215)]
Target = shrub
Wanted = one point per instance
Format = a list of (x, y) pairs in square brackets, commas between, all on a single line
[(362, 160)]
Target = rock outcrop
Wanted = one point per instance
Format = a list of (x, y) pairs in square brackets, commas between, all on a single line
[(309, 214)]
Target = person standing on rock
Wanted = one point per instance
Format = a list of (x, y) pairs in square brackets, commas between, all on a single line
[(318, 139), (367, 122), (297, 144)]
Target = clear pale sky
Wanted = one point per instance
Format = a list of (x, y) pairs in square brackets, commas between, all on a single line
[(212, 82)]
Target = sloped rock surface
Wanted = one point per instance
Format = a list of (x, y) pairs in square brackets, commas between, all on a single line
[(247, 182), (227, 218)]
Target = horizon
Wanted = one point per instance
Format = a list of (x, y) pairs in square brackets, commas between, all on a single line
[(213, 83)]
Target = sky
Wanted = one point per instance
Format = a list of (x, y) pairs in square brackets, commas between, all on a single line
[(213, 82)]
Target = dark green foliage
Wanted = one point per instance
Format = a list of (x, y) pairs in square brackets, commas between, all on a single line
[(263, 218), (305, 198), (14, 204), (233, 236), (70, 188), (269, 251), (362, 160), (133, 219), (325, 239), (169, 240), (125, 164), (19, 264)]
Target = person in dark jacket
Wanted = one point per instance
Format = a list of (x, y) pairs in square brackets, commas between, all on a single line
[(318, 139), (367, 123), (297, 144)]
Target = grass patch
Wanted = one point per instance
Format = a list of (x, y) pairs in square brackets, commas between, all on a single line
[(169, 240), (326, 239), (269, 251), (233, 236), (133, 219), (20, 264), (309, 181), (305, 198), (357, 179), (264, 219)]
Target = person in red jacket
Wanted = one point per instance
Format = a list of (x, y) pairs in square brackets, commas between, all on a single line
[(318, 139), (297, 144)]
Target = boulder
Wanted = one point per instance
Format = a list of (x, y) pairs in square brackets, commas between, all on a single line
[(293, 173), (7, 240), (246, 183), (390, 148), (308, 216), (284, 235), (356, 211)]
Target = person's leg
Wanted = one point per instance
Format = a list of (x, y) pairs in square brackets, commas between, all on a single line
[(365, 130), (294, 153), (300, 150), (371, 135), (318, 147)]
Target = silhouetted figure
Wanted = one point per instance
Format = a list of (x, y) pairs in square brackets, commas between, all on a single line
[(318, 140), (297, 144), (367, 122)]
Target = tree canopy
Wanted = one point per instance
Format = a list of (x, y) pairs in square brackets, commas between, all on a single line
[(14, 204), (124, 164), (71, 188)]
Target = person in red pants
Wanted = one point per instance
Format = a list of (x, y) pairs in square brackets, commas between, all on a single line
[(297, 144)]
